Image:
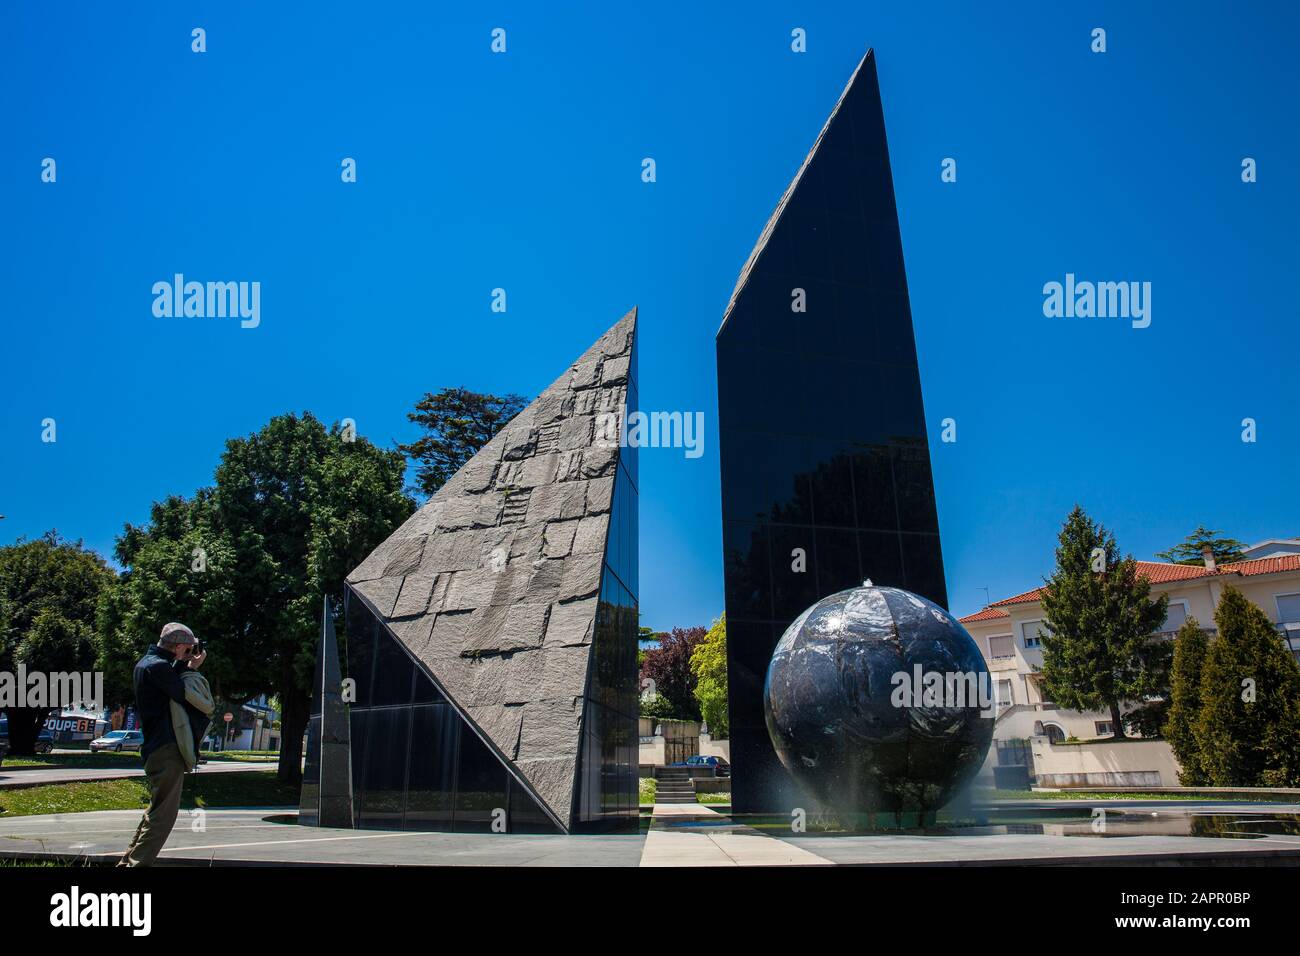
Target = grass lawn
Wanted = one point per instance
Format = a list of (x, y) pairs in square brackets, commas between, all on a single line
[(209, 791), (244, 756), (648, 786), (273, 754), (57, 863), (719, 797), (77, 760)]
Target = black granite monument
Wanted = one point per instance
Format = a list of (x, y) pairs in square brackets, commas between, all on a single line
[(825, 463)]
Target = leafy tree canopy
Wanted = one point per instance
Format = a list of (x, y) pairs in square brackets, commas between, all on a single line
[(246, 563), (49, 590), (709, 665), (669, 667)]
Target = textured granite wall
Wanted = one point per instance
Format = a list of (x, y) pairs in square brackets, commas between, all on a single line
[(493, 584)]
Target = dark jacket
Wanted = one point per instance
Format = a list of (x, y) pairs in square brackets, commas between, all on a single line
[(157, 684)]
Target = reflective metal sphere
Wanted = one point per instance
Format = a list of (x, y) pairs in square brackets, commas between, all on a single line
[(855, 715)]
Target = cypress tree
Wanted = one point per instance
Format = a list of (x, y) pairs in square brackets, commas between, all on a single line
[(1099, 652), (1190, 647), (1250, 701)]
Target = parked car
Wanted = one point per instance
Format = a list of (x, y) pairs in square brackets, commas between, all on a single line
[(44, 740), (720, 767), (118, 741)]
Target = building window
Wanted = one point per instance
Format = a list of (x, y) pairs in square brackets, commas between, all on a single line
[(1040, 688), (1288, 621), (1104, 728), (1004, 693), (1176, 615), (1032, 632), (1288, 608), (1000, 647)]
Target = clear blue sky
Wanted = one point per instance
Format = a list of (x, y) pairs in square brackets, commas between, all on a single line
[(523, 171)]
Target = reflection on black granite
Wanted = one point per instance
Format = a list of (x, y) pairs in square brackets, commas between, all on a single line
[(824, 458), (416, 763)]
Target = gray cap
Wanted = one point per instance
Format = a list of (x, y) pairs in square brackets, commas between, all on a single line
[(174, 633)]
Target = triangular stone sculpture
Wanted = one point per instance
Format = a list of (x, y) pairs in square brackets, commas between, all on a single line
[(493, 585)]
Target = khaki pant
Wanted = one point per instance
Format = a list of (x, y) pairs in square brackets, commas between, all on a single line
[(165, 770)]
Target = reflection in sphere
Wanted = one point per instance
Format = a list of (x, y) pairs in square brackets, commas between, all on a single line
[(856, 714)]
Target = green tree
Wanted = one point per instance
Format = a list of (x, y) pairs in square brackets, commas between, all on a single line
[(181, 566), (709, 665), (1098, 652), (1248, 730), (49, 588), (456, 423), (657, 706), (668, 666), (644, 635), (247, 563), (1190, 647), (1192, 549)]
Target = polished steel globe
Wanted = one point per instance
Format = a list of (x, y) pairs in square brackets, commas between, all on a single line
[(878, 701)]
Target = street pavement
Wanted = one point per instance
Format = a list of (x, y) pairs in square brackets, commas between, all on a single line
[(39, 776)]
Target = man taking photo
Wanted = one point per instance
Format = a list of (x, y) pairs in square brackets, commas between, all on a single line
[(159, 681)]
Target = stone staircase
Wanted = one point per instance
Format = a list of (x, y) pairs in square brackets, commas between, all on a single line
[(674, 785)]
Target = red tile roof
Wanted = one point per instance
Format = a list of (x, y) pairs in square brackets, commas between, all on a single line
[(1282, 562), (1025, 598), (1157, 572), (988, 614)]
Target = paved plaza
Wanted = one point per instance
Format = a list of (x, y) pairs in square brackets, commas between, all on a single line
[(692, 835)]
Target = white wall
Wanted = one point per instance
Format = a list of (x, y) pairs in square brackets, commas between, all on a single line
[(1132, 763), (715, 748), (652, 752)]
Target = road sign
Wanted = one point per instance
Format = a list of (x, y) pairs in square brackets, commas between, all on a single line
[(228, 717)]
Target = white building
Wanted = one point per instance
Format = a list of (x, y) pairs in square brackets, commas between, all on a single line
[(1008, 633), (1273, 548)]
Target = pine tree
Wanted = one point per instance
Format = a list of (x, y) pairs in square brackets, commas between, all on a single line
[(456, 423), (1250, 701), (1098, 652), (1191, 550), (1190, 647)]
